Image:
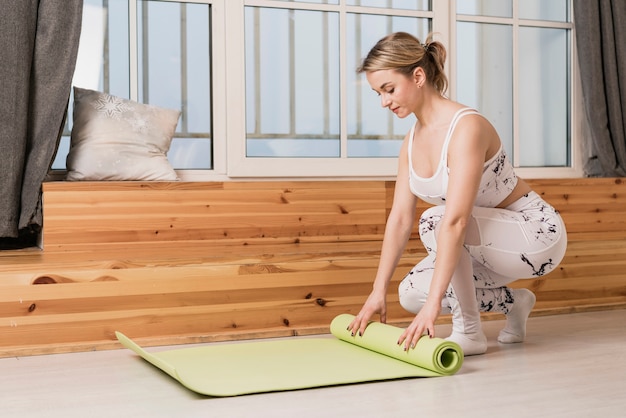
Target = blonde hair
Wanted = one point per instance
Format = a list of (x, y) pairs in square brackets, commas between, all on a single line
[(403, 52)]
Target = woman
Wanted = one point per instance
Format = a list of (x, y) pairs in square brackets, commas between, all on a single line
[(487, 227)]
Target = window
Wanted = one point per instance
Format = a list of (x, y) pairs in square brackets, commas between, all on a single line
[(267, 88), (514, 63), (154, 52), (307, 112)]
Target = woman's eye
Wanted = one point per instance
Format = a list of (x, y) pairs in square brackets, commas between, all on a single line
[(390, 91)]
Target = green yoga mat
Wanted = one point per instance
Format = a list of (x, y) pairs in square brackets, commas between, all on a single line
[(288, 364)]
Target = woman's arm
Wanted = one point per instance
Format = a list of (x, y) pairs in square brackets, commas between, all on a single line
[(466, 157), (397, 232)]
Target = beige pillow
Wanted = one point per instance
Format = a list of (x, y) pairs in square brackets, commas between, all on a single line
[(119, 139)]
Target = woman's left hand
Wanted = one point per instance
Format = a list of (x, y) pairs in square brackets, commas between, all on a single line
[(422, 324)]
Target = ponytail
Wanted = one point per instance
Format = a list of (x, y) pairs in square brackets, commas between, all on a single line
[(403, 52)]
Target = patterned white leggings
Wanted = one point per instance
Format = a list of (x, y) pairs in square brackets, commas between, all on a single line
[(527, 239)]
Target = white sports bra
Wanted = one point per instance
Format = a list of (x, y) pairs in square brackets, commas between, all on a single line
[(497, 182)]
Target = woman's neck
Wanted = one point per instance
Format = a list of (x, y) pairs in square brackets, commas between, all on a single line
[(434, 110)]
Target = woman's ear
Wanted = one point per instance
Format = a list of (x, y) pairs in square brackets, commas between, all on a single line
[(419, 76)]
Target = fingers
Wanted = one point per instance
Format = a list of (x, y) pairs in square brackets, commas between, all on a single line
[(409, 337), (413, 333), (353, 325), (358, 324), (415, 339), (403, 337), (362, 320)]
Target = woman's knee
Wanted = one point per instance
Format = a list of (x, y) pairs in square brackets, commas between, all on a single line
[(412, 301), (412, 295)]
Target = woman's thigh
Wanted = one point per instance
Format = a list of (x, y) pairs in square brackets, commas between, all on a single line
[(526, 243)]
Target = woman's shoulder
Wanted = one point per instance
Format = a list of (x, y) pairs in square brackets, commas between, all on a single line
[(470, 118), (477, 131), (456, 112)]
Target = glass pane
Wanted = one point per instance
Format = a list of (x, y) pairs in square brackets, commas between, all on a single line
[(292, 83), (393, 4), (175, 72), (499, 8), (102, 62), (556, 10), (374, 131), (190, 153), (543, 97), (485, 74)]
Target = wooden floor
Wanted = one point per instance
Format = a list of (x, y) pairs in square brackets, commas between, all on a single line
[(571, 365)]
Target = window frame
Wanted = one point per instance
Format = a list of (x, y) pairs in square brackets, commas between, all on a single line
[(229, 96), (444, 21), (241, 166), (578, 124)]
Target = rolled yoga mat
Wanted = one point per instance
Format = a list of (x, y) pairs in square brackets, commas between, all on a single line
[(287, 364)]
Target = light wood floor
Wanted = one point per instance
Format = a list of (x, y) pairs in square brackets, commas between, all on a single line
[(570, 366)]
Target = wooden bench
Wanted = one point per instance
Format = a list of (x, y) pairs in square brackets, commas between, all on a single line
[(193, 262)]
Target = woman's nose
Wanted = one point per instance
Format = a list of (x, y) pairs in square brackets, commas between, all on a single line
[(384, 100)]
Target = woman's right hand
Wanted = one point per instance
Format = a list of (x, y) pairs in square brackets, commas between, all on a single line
[(376, 303)]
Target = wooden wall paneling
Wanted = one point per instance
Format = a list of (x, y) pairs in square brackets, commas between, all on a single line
[(189, 262)]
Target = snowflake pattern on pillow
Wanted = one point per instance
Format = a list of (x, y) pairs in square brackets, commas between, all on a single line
[(110, 106)]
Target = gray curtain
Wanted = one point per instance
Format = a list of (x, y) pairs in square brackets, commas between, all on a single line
[(38, 47), (601, 45)]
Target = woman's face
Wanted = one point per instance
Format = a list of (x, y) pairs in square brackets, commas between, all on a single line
[(396, 91)]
